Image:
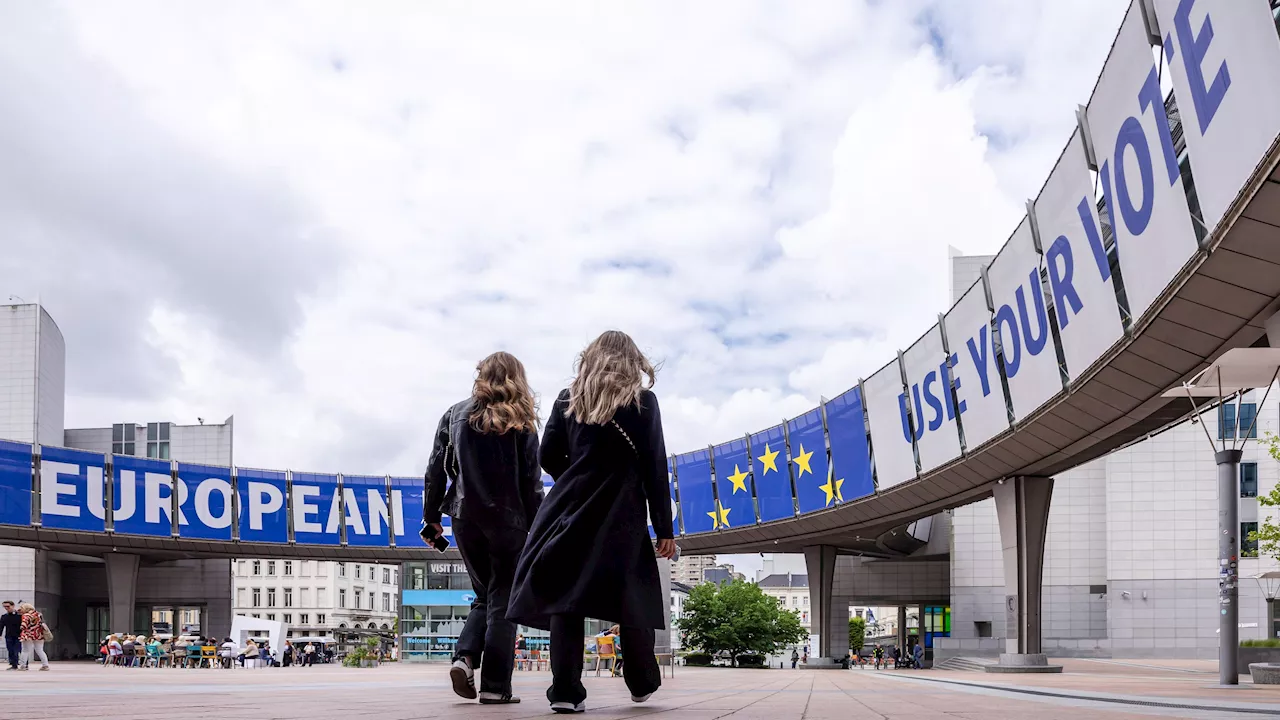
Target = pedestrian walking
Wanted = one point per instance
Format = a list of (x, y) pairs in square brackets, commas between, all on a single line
[(795, 658), (33, 632), (589, 552), (11, 626), (484, 474)]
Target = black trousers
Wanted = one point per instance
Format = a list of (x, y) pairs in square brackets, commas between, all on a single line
[(488, 638), (568, 646), (14, 648)]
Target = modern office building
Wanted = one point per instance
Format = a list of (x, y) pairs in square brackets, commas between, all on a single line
[(689, 568)]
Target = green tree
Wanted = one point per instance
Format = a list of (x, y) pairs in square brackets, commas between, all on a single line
[(1268, 533), (739, 618), (857, 634)]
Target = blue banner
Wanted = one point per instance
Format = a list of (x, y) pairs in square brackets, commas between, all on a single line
[(15, 483), (264, 518), (772, 477), (143, 494), (406, 511), (72, 485), (814, 488), (697, 499), (676, 522), (315, 509), (733, 480), (427, 598), (850, 458), (368, 512), (204, 502)]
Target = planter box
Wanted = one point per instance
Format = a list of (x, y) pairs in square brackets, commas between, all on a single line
[(1265, 673), (1247, 656)]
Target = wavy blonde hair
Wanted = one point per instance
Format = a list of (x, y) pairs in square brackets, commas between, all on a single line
[(503, 400), (611, 376)]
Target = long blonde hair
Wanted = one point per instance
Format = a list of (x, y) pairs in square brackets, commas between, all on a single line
[(503, 400), (611, 376)]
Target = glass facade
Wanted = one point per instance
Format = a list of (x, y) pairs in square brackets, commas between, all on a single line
[(936, 622), (435, 599)]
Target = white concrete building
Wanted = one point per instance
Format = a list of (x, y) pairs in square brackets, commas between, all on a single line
[(689, 568), (791, 591), (318, 597)]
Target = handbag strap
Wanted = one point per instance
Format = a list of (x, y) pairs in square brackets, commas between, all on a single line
[(626, 437)]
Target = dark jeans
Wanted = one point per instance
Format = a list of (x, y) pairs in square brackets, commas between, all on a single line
[(14, 646), (642, 675), (488, 639)]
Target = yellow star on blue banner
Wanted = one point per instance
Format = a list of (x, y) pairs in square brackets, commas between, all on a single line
[(739, 479), (769, 459), (802, 461), (719, 516), (832, 487)]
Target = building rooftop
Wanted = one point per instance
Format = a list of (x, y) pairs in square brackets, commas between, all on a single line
[(784, 580)]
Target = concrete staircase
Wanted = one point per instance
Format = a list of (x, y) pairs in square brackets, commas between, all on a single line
[(964, 664)]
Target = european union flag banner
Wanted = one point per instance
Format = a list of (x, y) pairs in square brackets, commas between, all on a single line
[(72, 485), (204, 502), (697, 498), (143, 495), (15, 483), (263, 516), (406, 510), (315, 509), (364, 499), (676, 522), (850, 456), (733, 480), (772, 477), (815, 489)]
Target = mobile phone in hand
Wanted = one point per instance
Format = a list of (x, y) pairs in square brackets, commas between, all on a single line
[(432, 538)]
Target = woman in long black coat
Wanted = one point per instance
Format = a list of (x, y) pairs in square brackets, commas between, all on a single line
[(589, 552)]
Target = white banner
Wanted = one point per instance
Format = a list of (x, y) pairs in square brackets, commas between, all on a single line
[(1138, 169), (1022, 324), (1079, 273), (890, 435), (928, 379), (1224, 57), (980, 400)]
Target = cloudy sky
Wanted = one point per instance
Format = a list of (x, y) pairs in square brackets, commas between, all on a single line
[(318, 216)]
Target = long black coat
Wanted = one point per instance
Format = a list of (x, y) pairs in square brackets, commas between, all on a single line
[(589, 551)]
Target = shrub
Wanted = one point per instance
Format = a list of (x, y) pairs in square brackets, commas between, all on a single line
[(751, 661), (698, 659), (1268, 643)]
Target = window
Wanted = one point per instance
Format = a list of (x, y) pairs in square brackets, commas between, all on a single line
[(288, 618), (320, 618), (258, 615), (386, 602), (303, 568), (1227, 421), (271, 597), (240, 597), (288, 597), (257, 597), (321, 597), (122, 439), (982, 628), (271, 616), (342, 597), (257, 567), (271, 567), (240, 568), (371, 575), (1248, 480), (805, 600), (1248, 547), (386, 575), (304, 619), (357, 599), (342, 569), (158, 440), (288, 567), (357, 571)]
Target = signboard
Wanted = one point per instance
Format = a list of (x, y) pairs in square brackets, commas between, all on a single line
[(72, 487), (1080, 282), (1223, 58), (143, 494), (891, 435), (1022, 324), (368, 514), (850, 472), (15, 483), (772, 474), (1138, 169), (733, 478), (314, 502), (809, 464), (204, 502), (263, 515), (929, 380), (697, 499), (980, 399)]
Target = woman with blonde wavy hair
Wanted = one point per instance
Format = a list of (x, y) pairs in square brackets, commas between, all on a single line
[(589, 552), (484, 474)]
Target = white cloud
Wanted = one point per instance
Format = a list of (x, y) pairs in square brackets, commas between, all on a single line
[(761, 194)]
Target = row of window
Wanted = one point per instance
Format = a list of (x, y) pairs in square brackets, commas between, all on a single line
[(361, 600), (124, 439), (1227, 421), (1248, 545), (304, 619), (388, 575)]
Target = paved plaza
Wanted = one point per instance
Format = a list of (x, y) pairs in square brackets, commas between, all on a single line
[(391, 692)]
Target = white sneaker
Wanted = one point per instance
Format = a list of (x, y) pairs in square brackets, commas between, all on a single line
[(492, 698), (641, 698), (564, 707), (463, 679)]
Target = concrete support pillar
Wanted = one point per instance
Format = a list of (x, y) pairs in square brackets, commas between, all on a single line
[(662, 643), (820, 561), (122, 590), (837, 628), (1022, 508), (902, 628)]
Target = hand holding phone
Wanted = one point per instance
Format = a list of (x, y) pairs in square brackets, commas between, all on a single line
[(433, 535)]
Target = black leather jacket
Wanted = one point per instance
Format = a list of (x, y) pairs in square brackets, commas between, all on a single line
[(482, 477)]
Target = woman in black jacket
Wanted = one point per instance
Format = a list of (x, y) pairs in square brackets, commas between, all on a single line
[(589, 553), (488, 446)]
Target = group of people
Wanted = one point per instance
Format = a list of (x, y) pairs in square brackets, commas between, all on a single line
[(25, 634), (582, 551), (881, 656), (136, 650)]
